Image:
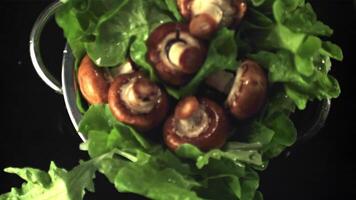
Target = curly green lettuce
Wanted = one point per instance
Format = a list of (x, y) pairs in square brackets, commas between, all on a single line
[(283, 36)]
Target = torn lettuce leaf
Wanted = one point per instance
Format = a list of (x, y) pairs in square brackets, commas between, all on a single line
[(56, 184)]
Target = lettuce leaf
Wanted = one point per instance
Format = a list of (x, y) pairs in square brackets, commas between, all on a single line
[(284, 36), (56, 184), (97, 27), (287, 44), (298, 85), (166, 172)]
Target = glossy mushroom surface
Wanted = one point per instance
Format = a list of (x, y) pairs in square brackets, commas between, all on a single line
[(200, 122), (94, 82), (137, 101), (175, 54), (207, 15), (249, 91)]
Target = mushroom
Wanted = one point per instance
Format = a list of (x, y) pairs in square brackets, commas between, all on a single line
[(137, 101), (248, 91), (200, 122), (207, 15), (94, 82), (175, 54)]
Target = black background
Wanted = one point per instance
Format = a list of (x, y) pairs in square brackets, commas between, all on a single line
[(35, 127)]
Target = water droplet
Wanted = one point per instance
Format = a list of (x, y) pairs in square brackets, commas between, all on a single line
[(253, 156), (215, 154), (98, 61)]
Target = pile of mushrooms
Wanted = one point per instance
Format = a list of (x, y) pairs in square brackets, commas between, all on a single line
[(132, 97), (177, 51)]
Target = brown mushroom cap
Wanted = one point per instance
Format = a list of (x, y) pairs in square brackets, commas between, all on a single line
[(135, 100), (92, 81), (249, 90), (207, 15), (175, 54), (213, 134)]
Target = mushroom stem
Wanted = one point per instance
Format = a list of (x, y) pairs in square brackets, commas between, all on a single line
[(191, 118), (140, 96), (194, 125), (210, 8), (207, 15), (222, 81), (176, 51), (206, 20)]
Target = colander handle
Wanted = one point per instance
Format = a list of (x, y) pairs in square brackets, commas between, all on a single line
[(35, 52), (318, 122)]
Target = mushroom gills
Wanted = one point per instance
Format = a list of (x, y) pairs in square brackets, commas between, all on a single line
[(194, 125), (134, 103), (236, 86)]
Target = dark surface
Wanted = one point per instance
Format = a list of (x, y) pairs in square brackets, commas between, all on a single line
[(36, 129)]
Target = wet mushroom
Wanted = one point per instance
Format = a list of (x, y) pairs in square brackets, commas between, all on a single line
[(248, 90), (94, 82), (200, 122), (175, 54), (207, 15), (137, 101)]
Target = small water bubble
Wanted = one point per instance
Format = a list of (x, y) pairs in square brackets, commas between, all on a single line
[(19, 62), (253, 156), (98, 61)]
